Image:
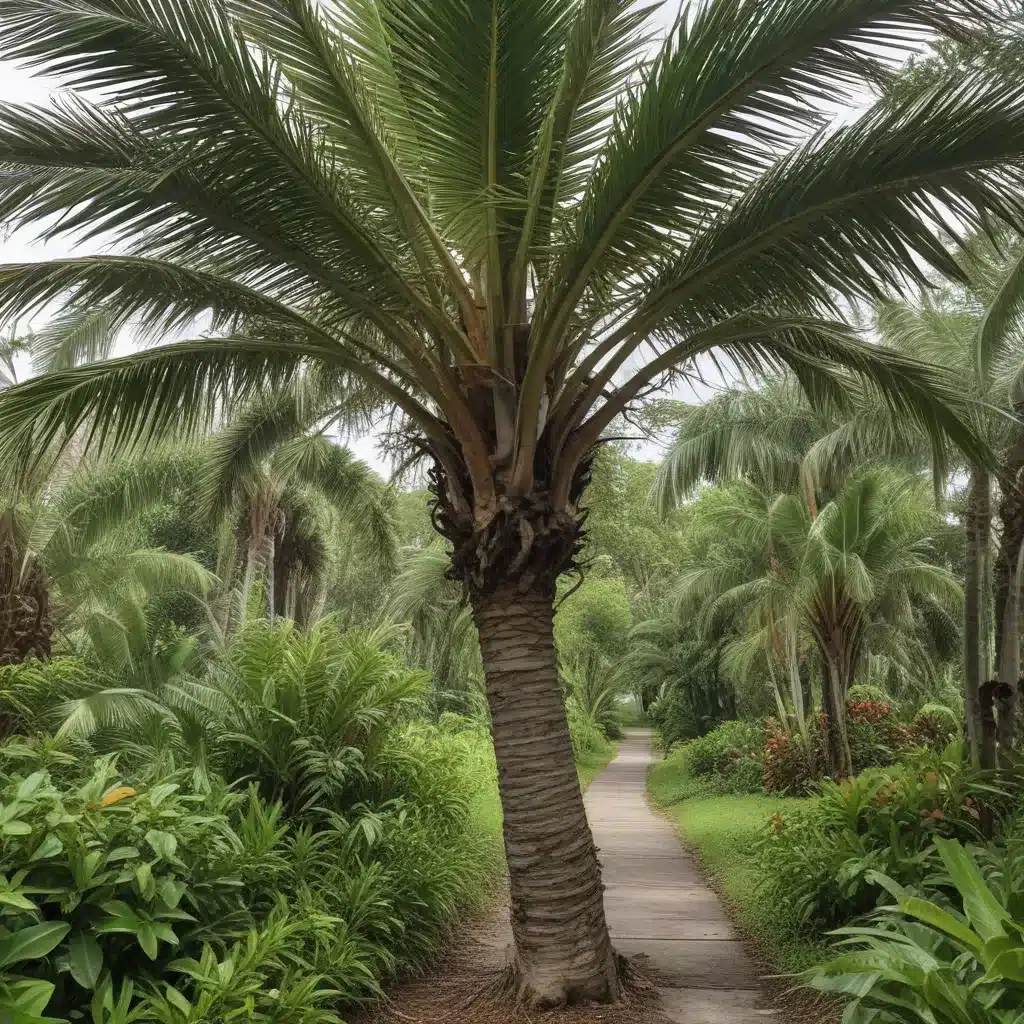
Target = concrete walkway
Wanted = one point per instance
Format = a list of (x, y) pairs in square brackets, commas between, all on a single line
[(658, 904)]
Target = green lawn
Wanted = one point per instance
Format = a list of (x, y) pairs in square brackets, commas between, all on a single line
[(588, 768), (722, 831)]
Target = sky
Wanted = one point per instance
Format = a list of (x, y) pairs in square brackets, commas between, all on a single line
[(16, 85)]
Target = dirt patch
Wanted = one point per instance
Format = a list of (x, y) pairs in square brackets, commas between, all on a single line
[(453, 992)]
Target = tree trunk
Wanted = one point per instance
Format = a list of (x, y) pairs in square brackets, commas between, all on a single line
[(834, 685), (1009, 664), (978, 527), (1006, 585), (562, 949)]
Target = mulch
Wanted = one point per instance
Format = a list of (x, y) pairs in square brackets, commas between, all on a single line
[(457, 992)]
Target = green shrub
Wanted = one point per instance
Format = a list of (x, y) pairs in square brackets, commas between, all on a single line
[(921, 962), (725, 760), (821, 861), (588, 738), (137, 896)]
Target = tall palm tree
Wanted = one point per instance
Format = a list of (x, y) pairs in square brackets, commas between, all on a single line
[(513, 219), (776, 437), (850, 571)]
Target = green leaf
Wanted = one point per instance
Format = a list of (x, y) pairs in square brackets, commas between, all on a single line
[(177, 1000), (981, 908), (935, 916), (171, 892), (31, 943), (163, 845), (16, 828), (15, 899), (51, 846), (144, 879), (28, 997), (30, 785), (86, 959), (147, 939), (122, 853)]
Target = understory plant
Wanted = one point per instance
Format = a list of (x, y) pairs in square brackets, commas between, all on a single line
[(926, 961), (824, 861)]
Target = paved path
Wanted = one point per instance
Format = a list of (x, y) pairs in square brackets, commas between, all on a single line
[(658, 904)]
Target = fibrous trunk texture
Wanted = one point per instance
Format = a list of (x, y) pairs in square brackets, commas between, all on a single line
[(978, 524), (834, 684), (26, 623), (563, 952), (1006, 588)]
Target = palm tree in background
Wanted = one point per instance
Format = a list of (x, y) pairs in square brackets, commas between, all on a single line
[(778, 440), (512, 219), (849, 575)]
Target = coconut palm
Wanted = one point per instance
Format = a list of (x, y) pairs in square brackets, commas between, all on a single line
[(849, 572), (511, 219)]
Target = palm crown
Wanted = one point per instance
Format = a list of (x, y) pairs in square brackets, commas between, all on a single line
[(485, 209)]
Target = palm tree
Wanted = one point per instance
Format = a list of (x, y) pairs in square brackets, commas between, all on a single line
[(68, 551), (513, 220), (281, 491), (850, 571), (776, 438)]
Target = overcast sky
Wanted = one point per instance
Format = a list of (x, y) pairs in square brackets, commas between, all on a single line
[(18, 86)]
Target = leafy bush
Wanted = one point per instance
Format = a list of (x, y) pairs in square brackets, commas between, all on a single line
[(304, 713), (822, 861), (921, 962), (153, 903), (792, 763), (588, 739), (725, 760)]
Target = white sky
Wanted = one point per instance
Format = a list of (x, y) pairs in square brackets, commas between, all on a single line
[(16, 85)]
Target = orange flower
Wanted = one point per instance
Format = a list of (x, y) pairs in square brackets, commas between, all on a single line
[(930, 777), (115, 796)]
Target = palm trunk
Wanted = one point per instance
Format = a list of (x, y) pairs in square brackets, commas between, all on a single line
[(1009, 663), (978, 527), (834, 684), (563, 953), (270, 573), (1006, 586)]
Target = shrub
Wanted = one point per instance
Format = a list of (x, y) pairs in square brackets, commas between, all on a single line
[(922, 963), (141, 895), (822, 861), (792, 763), (725, 760), (588, 739)]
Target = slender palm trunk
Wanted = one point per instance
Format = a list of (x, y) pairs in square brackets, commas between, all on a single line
[(1006, 693), (835, 682), (563, 952), (978, 525), (1006, 587)]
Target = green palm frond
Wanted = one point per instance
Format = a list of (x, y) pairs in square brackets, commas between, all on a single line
[(72, 339), (510, 219)]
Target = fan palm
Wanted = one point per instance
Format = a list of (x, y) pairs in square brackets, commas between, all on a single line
[(511, 219), (859, 562)]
